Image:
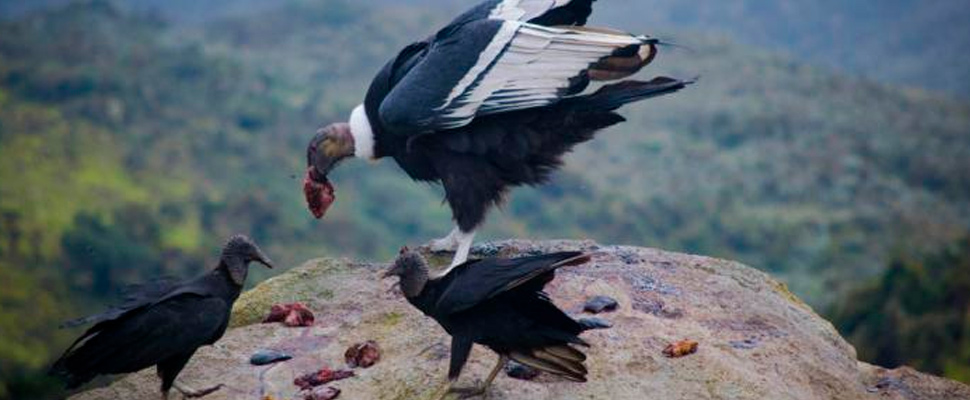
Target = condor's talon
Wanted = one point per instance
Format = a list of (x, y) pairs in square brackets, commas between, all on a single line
[(447, 244)]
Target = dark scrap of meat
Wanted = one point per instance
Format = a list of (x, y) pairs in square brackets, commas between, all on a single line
[(295, 314), (363, 355), (319, 195), (323, 376)]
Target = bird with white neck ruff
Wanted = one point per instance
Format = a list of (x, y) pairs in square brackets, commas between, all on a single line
[(490, 102)]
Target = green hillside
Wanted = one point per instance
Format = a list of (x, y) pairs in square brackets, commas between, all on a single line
[(132, 148)]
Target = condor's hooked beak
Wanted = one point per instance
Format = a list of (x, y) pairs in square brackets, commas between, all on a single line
[(328, 147)]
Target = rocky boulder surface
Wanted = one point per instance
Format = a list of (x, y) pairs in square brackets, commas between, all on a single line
[(756, 340)]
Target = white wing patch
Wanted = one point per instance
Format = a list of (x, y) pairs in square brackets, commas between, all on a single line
[(527, 66), (524, 10)]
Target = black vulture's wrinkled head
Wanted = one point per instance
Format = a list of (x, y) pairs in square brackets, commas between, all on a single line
[(328, 147), (244, 249), (412, 268), (238, 253)]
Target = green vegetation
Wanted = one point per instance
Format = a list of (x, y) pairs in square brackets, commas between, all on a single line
[(916, 313), (131, 148)]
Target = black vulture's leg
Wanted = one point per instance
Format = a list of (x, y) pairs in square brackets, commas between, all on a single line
[(461, 347), (482, 390), (502, 360), (169, 369)]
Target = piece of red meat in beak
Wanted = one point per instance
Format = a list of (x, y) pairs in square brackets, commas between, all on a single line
[(318, 191)]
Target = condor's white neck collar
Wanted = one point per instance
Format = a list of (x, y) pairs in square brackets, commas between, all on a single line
[(363, 135)]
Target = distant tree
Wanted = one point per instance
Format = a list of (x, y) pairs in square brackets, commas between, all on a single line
[(917, 313), (113, 254)]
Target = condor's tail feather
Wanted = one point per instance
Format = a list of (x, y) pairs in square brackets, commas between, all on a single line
[(611, 97)]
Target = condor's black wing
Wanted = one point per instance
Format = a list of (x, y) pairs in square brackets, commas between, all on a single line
[(494, 66), (540, 12)]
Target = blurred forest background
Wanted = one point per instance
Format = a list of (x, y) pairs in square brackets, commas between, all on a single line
[(827, 143)]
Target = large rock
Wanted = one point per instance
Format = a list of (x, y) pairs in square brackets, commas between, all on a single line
[(757, 340)]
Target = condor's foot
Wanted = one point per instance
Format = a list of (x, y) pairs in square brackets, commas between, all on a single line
[(191, 393), (447, 244)]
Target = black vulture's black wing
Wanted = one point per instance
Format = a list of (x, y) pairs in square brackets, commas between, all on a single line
[(471, 284), (175, 326), (135, 297)]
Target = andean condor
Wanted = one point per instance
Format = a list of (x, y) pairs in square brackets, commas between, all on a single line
[(489, 102)]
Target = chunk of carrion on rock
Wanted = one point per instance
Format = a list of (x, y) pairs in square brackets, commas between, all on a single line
[(680, 349), (322, 393), (294, 314), (363, 355), (323, 376)]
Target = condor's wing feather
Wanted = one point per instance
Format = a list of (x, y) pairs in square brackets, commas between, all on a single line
[(473, 283), (496, 66), (541, 12)]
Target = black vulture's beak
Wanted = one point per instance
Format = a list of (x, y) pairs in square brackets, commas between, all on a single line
[(394, 270), (262, 259)]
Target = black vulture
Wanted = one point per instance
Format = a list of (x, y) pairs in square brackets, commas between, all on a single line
[(498, 303), (490, 102), (162, 324)]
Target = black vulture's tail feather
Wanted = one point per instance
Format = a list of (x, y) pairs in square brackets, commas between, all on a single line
[(560, 360), (611, 97), (73, 379)]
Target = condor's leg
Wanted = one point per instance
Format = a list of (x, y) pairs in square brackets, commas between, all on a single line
[(456, 241), (472, 187), (464, 247)]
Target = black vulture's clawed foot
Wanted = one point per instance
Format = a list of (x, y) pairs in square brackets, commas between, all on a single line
[(190, 393), (453, 393), (467, 393)]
